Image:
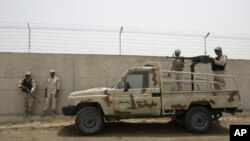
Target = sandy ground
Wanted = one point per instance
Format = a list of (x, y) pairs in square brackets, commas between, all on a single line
[(63, 129)]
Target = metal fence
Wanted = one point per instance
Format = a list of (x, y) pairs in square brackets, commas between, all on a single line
[(47, 38)]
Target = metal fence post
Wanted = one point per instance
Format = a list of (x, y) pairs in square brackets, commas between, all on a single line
[(205, 43), (120, 41), (29, 36)]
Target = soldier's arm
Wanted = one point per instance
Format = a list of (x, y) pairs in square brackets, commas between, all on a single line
[(46, 88), (221, 61), (58, 83), (46, 85), (20, 83), (33, 82), (183, 60), (172, 66)]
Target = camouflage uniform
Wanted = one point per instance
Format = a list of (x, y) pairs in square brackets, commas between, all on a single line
[(28, 87), (52, 86), (221, 62), (177, 65)]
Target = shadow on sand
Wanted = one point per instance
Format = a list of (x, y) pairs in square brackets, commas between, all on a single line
[(124, 129)]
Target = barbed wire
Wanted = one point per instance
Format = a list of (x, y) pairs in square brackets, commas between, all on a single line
[(51, 38)]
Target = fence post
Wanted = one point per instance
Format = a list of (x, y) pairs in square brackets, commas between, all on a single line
[(29, 36), (120, 41), (205, 43)]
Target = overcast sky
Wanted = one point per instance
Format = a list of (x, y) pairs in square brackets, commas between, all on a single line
[(221, 16)]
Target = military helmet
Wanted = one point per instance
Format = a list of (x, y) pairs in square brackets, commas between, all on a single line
[(27, 73), (218, 48), (52, 70), (177, 51)]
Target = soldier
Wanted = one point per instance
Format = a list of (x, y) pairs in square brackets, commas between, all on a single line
[(51, 92), (218, 67), (177, 65), (28, 86)]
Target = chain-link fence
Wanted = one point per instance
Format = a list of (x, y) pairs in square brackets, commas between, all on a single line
[(47, 38)]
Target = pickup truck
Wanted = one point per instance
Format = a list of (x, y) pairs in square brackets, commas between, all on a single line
[(148, 92)]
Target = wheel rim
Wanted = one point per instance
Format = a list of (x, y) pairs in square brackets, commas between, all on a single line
[(89, 121), (200, 120)]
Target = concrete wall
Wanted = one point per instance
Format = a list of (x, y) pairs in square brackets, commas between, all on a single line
[(78, 72)]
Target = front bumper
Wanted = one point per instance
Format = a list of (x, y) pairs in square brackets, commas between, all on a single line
[(68, 110)]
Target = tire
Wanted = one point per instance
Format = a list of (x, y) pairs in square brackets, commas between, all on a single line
[(89, 120), (198, 120)]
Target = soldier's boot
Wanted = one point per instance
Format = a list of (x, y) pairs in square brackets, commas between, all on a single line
[(44, 114), (29, 115), (25, 114)]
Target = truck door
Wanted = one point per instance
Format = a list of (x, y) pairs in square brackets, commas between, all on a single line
[(137, 100)]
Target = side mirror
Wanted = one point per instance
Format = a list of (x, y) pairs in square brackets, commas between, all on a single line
[(126, 86)]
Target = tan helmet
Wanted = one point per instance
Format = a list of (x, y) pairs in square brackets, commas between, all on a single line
[(177, 51), (218, 48), (27, 73), (52, 70)]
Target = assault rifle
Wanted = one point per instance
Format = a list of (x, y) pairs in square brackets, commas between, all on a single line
[(25, 89), (195, 60)]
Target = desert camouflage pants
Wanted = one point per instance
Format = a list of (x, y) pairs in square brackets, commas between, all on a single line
[(220, 80), (50, 97), (176, 86), (28, 103)]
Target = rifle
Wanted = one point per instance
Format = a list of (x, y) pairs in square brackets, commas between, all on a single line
[(28, 91)]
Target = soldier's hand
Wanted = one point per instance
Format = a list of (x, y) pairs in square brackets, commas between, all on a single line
[(212, 59), (169, 74)]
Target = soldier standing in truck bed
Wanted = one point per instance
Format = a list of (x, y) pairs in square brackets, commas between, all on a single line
[(218, 67), (178, 64), (28, 86)]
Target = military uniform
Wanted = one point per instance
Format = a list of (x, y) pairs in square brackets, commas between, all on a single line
[(218, 67), (177, 65), (52, 86), (28, 87)]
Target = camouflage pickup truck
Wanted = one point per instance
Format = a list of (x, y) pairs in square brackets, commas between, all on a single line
[(148, 91)]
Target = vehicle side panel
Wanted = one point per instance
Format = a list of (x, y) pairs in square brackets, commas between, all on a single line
[(216, 99)]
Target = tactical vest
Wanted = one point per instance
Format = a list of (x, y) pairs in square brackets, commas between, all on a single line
[(178, 64), (28, 84), (216, 67)]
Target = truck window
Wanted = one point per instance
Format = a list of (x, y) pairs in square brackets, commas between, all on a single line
[(137, 79)]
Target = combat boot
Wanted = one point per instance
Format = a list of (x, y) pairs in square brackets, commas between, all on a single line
[(29, 115), (26, 115)]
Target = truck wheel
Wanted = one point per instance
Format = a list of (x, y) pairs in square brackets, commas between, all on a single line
[(89, 120), (198, 120)]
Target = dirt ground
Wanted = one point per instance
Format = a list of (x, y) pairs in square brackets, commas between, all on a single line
[(63, 129)]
